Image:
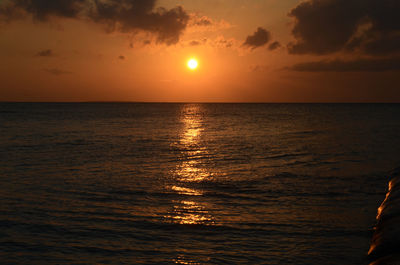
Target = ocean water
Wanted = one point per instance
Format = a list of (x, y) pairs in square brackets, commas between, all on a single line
[(122, 183)]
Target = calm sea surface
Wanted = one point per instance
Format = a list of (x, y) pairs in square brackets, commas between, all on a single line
[(192, 183)]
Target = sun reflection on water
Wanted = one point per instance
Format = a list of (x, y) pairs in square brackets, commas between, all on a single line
[(191, 209), (186, 191), (183, 260), (189, 171), (192, 120), (190, 213)]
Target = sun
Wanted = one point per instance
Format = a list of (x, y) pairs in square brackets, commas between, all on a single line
[(192, 64)]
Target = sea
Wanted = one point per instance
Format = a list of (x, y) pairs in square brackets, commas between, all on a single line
[(164, 183)]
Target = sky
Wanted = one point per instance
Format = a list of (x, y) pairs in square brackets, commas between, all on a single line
[(247, 50)]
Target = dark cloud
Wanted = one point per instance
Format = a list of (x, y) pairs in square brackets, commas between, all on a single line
[(194, 43), (273, 46), (56, 71), (360, 65), (43, 9), (133, 15), (121, 57), (258, 39), (45, 53), (328, 26), (203, 21), (378, 43), (123, 15)]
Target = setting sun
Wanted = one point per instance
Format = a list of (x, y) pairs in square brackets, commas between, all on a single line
[(192, 64)]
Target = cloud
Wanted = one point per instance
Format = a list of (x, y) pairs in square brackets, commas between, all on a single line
[(128, 16), (45, 53), (56, 71), (42, 10), (329, 26), (258, 68), (273, 46), (258, 39), (194, 43), (222, 42), (133, 15), (360, 65), (201, 23)]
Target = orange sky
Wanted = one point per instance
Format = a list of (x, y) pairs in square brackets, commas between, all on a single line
[(64, 52)]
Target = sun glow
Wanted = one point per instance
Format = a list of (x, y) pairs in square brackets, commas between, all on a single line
[(192, 64)]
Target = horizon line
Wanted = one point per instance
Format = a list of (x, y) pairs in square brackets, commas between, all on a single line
[(208, 102)]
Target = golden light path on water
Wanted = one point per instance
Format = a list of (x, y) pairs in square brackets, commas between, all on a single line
[(190, 210)]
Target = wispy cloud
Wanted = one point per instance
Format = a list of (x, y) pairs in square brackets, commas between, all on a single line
[(57, 72), (201, 23), (273, 46), (45, 53), (360, 65)]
